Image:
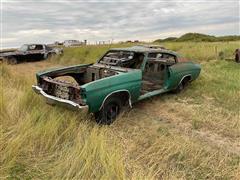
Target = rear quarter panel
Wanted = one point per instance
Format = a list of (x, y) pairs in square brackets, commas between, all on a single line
[(97, 91), (179, 70)]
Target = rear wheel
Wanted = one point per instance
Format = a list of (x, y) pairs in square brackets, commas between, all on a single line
[(237, 58), (109, 112), (182, 85)]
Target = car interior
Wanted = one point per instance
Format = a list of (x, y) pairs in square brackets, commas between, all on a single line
[(124, 59), (35, 47), (156, 70)]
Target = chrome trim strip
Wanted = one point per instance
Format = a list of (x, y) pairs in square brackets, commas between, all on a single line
[(39, 90), (184, 77)]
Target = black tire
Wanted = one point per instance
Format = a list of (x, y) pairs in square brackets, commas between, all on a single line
[(109, 112), (182, 85), (12, 60), (237, 58)]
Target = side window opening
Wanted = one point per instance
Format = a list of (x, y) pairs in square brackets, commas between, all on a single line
[(161, 67), (38, 47), (149, 67), (155, 71), (31, 47), (163, 57)]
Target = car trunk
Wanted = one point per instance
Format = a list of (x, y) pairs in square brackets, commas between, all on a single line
[(66, 83)]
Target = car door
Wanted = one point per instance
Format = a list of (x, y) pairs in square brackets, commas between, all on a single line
[(38, 52), (26, 55), (153, 74), (29, 54)]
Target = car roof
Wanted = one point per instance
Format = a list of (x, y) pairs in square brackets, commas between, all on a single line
[(33, 44), (143, 49)]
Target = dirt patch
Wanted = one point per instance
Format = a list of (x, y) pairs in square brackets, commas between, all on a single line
[(219, 141), (164, 114)]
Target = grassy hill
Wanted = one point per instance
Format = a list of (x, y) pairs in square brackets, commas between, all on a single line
[(197, 37), (191, 135)]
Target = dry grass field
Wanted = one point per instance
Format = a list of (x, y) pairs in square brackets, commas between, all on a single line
[(191, 135)]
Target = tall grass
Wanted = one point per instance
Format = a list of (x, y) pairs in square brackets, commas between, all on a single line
[(202, 51), (192, 135), (196, 51), (42, 142)]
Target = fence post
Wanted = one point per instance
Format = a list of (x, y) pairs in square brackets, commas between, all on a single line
[(216, 53)]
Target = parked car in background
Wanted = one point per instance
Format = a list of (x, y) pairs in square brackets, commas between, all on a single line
[(121, 77), (70, 43), (57, 43), (30, 52)]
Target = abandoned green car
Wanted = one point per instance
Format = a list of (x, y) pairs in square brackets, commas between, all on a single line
[(120, 77)]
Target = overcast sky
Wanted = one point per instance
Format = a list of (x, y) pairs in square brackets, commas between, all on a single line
[(29, 21)]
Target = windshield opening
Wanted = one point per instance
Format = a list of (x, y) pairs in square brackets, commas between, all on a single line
[(125, 59), (23, 48)]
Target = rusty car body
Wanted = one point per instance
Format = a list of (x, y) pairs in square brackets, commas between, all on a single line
[(30, 52), (121, 77)]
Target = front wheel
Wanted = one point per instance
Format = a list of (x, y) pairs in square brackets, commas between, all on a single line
[(109, 112)]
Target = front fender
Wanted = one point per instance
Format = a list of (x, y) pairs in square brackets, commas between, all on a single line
[(97, 91)]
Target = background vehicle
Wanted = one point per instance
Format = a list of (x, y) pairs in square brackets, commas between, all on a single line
[(121, 77), (30, 52), (69, 43)]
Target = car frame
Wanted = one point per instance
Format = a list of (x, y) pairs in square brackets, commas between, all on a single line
[(104, 88)]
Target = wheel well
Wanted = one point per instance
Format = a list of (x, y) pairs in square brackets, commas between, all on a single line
[(186, 78), (124, 96)]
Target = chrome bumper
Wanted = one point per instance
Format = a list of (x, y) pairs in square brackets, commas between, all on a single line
[(55, 100)]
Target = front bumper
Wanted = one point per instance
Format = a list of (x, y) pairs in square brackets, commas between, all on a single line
[(55, 100)]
